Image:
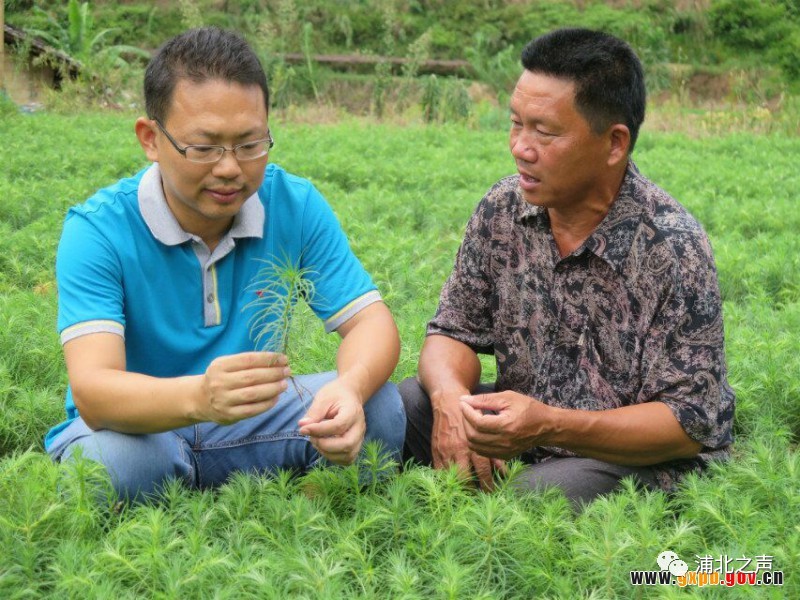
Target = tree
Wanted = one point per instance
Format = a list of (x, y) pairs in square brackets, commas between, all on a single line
[(78, 39)]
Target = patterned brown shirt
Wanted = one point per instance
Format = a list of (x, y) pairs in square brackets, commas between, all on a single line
[(633, 315)]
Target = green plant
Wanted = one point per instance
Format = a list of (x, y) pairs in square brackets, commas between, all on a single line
[(456, 103), (105, 70), (308, 32), (500, 70), (190, 14), (418, 52), (78, 39), (279, 285), (383, 69), (431, 98), (748, 24), (7, 106), (418, 533)]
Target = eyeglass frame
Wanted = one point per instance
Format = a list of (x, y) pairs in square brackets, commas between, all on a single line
[(182, 150)]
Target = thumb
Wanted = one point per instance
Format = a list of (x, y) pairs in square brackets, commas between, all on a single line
[(315, 413)]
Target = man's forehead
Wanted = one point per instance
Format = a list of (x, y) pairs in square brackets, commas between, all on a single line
[(206, 97), (536, 87), (194, 86)]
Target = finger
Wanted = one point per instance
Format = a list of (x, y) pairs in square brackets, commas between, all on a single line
[(265, 392), (319, 423), (244, 411), (483, 447), (328, 428), (499, 465), (485, 402), (336, 425), (443, 458), (479, 422), (318, 411), (251, 360), (471, 434), (483, 470), (339, 450), (257, 376), (345, 444), (340, 459)]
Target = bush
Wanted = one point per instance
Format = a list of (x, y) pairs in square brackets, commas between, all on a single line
[(748, 24), (769, 28), (7, 106)]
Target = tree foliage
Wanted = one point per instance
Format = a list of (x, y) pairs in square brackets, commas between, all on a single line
[(78, 38)]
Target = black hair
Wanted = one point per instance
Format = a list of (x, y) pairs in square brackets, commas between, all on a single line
[(608, 76), (200, 55)]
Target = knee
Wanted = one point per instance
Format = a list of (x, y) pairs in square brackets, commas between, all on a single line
[(416, 402), (138, 465), (386, 420)]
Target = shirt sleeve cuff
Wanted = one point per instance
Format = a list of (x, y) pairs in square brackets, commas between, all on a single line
[(87, 327), (351, 309)]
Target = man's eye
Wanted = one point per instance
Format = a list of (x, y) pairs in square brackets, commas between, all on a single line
[(203, 150)]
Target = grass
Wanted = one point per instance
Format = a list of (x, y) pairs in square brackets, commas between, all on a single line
[(403, 195)]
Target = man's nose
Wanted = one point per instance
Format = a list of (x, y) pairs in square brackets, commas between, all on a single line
[(522, 148), (227, 166)]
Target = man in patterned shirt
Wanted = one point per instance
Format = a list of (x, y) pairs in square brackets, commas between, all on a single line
[(595, 290)]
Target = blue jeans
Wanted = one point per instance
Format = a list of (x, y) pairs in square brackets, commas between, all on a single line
[(205, 455)]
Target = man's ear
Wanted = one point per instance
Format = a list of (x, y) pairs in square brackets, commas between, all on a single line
[(619, 144), (146, 134)]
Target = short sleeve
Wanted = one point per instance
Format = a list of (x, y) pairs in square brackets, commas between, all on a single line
[(342, 287), (684, 357), (465, 303), (88, 275)]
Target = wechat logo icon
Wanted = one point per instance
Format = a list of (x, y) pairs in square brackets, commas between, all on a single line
[(669, 561)]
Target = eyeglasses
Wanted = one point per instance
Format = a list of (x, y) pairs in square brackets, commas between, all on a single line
[(207, 153)]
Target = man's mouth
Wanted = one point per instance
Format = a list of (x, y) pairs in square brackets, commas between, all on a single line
[(527, 182), (224, 195)]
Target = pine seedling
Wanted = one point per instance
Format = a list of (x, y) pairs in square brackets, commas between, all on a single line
[(279, 285)]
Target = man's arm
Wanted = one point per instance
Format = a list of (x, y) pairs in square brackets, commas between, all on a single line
[(108, 397), (449, 369), (365, 360), (637, 435)]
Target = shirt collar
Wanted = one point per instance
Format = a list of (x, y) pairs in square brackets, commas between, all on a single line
[(526, 210), (248, 222), (612, 239)]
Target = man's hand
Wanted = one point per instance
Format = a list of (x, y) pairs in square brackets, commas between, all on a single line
[(449, 445), (505, 424), (239, 386), (335, 423)]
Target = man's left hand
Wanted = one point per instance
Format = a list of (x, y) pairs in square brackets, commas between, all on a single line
[(505, 424), (335, 423)]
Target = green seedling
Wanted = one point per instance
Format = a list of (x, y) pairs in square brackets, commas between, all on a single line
[(279, 285)]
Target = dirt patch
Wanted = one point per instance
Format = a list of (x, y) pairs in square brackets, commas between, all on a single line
[(708, 86), (695, 86)]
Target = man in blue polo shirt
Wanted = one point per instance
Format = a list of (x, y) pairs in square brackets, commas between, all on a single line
[(155, 279)]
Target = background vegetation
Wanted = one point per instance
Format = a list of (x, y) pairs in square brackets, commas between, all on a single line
[(404, 204), (730, 51)]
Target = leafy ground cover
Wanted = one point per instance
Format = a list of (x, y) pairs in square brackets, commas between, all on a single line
[(404, 195)]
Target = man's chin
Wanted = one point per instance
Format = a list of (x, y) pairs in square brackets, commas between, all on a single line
[(532, 198)]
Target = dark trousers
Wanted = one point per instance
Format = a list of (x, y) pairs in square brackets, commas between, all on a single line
[(581, 479)]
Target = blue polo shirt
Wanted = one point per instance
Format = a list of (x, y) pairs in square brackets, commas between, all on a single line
[(125, 266)]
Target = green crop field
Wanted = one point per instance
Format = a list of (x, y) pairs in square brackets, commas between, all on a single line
[(403, 195)]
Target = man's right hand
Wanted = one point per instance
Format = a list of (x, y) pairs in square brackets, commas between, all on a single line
[(449, 443), (239, 386)]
